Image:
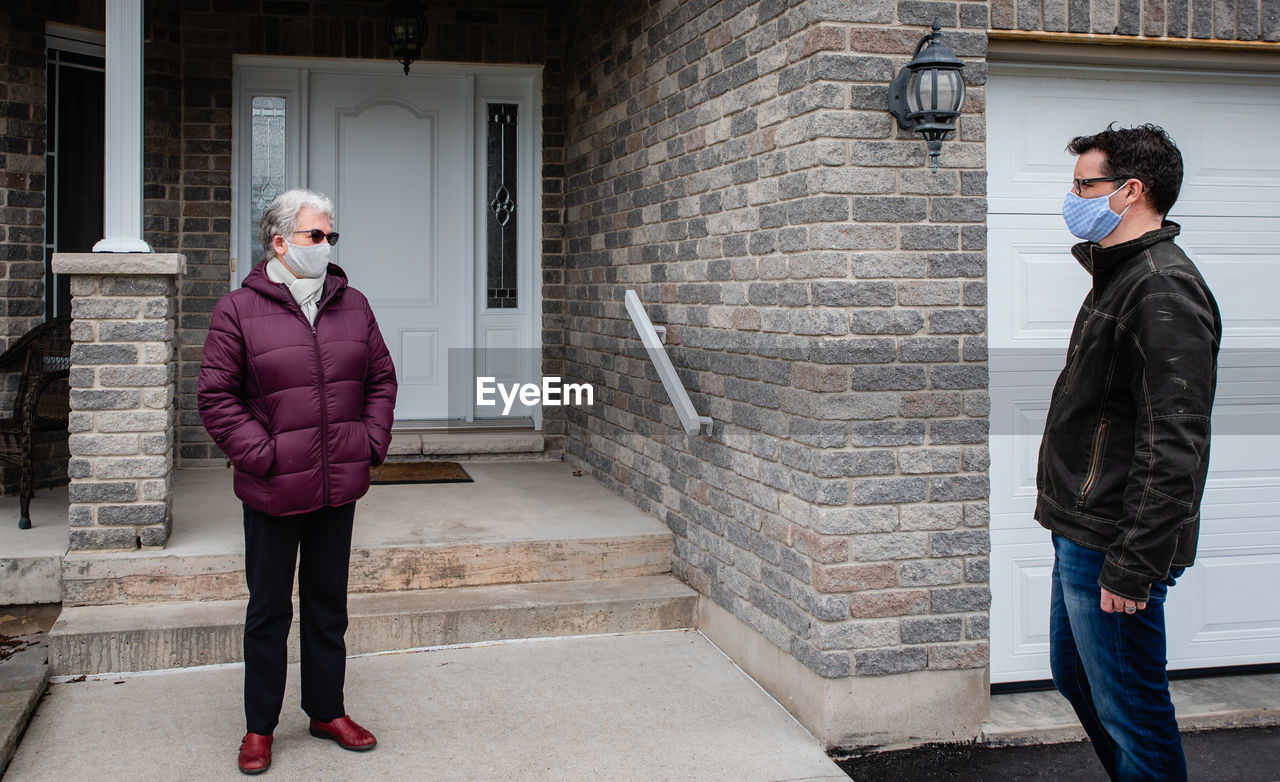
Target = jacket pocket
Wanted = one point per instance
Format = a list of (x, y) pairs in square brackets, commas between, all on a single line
[(259, 461), (1095, 462)]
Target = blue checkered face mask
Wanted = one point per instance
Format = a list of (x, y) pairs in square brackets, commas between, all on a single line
[(1091, 219)]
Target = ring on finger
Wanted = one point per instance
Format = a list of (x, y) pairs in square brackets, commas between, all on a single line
[(1129, 608)]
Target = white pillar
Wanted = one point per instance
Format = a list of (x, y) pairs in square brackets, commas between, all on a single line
[(122, 217)]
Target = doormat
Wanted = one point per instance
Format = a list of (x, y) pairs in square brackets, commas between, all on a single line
[(420, 472)]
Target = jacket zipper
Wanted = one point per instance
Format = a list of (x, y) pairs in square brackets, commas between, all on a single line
[(324, 406), (1094, 463), (1074, 358)]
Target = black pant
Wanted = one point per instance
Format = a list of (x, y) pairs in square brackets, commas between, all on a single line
[(271, 546)]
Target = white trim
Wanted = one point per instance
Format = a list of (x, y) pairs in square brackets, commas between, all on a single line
[(301, 171), (122, 211), (469, 246), (1113, 73), (423, 69), (535, 236)]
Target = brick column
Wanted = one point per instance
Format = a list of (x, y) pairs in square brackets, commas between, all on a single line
[(122, 394)]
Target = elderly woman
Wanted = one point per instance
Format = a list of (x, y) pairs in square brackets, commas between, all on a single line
[(297, 389)]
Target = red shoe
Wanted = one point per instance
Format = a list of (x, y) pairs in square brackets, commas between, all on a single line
[(346, 732), (255, 753)]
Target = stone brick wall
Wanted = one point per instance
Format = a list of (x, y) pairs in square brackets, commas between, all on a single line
[(1241, 20), (197, 190), (22, 166), (824, 296), (122, 393)]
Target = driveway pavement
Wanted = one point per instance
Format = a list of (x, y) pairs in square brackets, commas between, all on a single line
[(663, 705)]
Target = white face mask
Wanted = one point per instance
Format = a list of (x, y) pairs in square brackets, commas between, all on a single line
[(311, 261)]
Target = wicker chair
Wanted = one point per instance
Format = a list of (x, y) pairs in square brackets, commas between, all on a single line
[(38, 366)]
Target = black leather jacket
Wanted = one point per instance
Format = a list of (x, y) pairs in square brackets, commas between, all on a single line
[(1126, 443)]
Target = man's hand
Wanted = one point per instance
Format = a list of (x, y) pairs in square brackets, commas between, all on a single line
[(1112, 603)]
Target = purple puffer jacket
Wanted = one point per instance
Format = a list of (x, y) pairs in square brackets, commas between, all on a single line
[(301, 412)]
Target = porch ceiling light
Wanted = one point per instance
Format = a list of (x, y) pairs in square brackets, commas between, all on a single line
[(928, 92), (406, 29)]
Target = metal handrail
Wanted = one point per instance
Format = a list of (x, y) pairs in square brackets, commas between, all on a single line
[(689, 418)]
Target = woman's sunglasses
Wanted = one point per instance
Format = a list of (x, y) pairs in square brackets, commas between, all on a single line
[(319, 236)]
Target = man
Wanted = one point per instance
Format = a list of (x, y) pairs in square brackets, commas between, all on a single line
[(1126, 449)]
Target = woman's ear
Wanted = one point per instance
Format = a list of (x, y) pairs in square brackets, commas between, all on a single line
[(278, 245)]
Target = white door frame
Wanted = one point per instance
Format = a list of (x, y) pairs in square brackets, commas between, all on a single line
[(289, 78)]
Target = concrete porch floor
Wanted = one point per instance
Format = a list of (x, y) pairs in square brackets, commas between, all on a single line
[(507, 501)]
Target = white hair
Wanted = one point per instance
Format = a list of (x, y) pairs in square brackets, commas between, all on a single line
[(280, 218)]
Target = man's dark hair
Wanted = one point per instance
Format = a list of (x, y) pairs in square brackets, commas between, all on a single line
[(1145, 153)]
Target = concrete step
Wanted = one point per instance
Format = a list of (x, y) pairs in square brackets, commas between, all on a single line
[(163, 576), (30, 580), (466, 446), (31, 559), (101, 639)]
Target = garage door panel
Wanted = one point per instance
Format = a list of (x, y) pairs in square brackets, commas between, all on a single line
[(1020, 590), (1031, 272), (1215, 614), (1230, 213), (1238, 258), (1231, 174), (1219, 164)]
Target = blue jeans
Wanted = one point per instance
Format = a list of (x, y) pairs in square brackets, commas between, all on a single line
[(1111, 667)]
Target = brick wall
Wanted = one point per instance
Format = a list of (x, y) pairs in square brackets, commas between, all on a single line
[(735, 163), (22, 167), (1243, 20), (198, 188)]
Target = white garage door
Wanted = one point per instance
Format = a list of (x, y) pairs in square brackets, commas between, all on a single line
[(1226, 609)]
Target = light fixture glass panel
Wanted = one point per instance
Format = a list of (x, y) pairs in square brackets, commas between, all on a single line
[(914, 89), (950, 91)]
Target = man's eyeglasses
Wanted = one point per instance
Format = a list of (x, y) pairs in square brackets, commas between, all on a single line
[(1078, 185), (319, 236)]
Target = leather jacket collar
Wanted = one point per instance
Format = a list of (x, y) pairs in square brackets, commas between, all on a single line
[(1102, 262)]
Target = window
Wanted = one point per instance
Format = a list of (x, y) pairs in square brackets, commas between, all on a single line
[(74, 159), (500, 178), (267, 167)]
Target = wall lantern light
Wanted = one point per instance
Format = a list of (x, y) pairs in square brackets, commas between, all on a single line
[(928, 92), (406, 29)]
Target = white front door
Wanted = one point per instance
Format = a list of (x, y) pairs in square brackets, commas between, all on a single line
[(1219, 613), (395, 155)]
